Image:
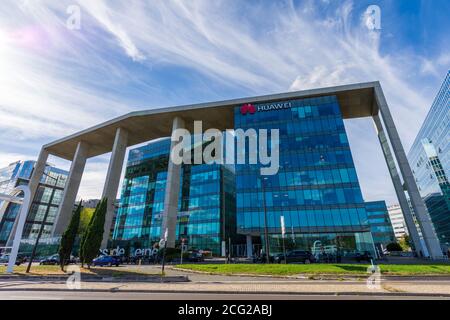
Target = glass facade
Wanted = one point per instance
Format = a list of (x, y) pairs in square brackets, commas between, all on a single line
[(206, 204), (47, 199), (429, 158), (316, 188), (380, 224)]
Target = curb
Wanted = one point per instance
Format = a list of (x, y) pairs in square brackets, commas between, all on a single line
[(351, 293), (322, 276), (100, 279)]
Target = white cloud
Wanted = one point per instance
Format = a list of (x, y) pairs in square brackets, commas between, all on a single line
[(59, 84), (8, 158)]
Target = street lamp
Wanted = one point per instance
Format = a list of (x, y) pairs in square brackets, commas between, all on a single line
[(266, 231), (41, 229)]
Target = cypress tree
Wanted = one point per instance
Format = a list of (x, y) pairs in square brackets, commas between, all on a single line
[(85, 233), (94, 235), (68, 237)]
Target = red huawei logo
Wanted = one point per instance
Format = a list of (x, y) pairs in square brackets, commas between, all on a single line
[(248, 107)]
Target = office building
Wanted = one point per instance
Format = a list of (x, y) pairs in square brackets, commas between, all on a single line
[(314, 186), (380, 224), (397, 221), (429, 158), (45, 202), (206, 206)]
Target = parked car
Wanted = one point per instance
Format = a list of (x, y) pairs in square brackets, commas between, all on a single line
[(4, 260), (106, 261), (365, 256), (195, 256), (262, 258), (51, 260), (296, 256)]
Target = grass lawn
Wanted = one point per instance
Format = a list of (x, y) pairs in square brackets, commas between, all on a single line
[(317, 269), (99, 271)]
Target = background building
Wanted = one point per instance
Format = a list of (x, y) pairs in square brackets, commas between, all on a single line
[(206, 206), (46, 200), (430, 160), (90, 203), (397, 221), (380, 224)]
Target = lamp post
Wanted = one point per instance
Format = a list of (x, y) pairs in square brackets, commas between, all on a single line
[(266, 231), (44, 220)]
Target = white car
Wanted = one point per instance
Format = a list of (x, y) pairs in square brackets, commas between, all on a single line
[(4, 260)]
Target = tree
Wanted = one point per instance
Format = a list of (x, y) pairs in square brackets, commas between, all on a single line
[(68, 237), (405, 242), (94, 234), (86, 221), (394, 246), (127, 249)]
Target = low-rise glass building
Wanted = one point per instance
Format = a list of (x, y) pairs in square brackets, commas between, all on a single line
[(46, 200), (380, 224)]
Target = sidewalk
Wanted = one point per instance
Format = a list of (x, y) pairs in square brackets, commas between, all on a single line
[(241, 285)]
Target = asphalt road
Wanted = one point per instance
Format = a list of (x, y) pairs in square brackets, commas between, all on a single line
[(39, 295)]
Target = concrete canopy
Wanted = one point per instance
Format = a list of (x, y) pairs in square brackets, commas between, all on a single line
[(356, 100)]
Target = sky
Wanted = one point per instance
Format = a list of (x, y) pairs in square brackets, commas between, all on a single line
[(60, 74)]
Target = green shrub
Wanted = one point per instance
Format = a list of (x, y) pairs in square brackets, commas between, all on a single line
[(394, 246)]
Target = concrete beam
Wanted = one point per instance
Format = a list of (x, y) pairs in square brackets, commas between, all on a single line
[(172, 192), (428, 233), (71, 189), (113, 179), (355, 101), (396, 181)]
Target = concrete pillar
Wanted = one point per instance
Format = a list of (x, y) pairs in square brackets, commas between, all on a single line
[(172, 192), (249, 246), (412, 229), (38, 171), (71, 189), (113, 179), (418, 205)]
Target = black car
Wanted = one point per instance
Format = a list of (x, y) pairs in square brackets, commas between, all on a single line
[(296, 256), (365, 256), (262, 258), (51, 260), (195, 256)]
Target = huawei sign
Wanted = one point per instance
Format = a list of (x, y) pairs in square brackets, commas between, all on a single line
[(251, 108), (248, 107)]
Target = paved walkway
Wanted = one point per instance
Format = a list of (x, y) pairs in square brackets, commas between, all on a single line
[(204, 283)]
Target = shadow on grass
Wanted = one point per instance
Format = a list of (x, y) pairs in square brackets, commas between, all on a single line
[(119, 272), (353, 268)]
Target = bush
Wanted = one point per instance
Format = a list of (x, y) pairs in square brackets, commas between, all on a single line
[(171, 253), (394, 246)]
